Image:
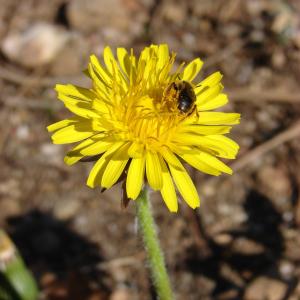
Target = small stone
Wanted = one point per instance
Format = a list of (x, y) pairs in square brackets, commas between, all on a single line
[(278, 59), (121, 294), (53, 153), (71, 59), (174, 13), (117, 19), (228, 295), (296, 38), (286, 269), (10, 207), (36, 46), (22, 132), (66, 209), (264, 288), (275, 183), (247, 247), (223, 239), (47, 279)]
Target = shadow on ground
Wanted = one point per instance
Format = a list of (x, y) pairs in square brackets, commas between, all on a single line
[(60, 258), (261, 227)]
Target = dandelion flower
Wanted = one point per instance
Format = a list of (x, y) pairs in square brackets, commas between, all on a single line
[(144, 119)]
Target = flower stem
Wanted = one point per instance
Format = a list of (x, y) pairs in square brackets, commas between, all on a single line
[(16, 282), (154, 253)]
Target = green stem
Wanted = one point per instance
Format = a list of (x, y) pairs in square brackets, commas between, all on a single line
[(16, 282), (154, 254)]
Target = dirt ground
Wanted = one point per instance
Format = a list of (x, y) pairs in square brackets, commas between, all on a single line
[(244, 241)]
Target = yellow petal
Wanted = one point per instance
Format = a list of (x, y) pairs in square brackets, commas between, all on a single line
[(192, 69), (218, 118), (136, 150), (204, 130), (170, 157), (135, 177), (89, 147), (128, 63), (72, 133), (99, 74), (82, 109), (184, 184), (213, 103), (209, 81), (231, 147), (64, 123), (99, 167), (209, 94), (168, 190), (153, 170), (206, 163), (113, 67), (219, 145), (163, 56), (73, 93), (194, 161), (100, 107), (77, 100), (99, 71), (109, 59), (115, 167), (124, 60)]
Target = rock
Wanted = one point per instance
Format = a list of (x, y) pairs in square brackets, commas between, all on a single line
[(121, 294), (264, 288), (118, 21), (222, 239), (51, 152), (66, 208), (296, 38), (286, 269), (247, 247), (36, 46), (72, 58), (10, 207), (275, 183), (23, 132), (228, 295), (278, 59)]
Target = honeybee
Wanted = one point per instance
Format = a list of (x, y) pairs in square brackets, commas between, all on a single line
[(184, 94)]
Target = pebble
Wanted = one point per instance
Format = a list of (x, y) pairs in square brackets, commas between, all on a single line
[(52, 153), (264, 288), (121, 294), (275, 182), (38, 45), (118, 21), (72, 58), (66, 208), (286, 269), (247, 247), (223, 239), (23, 132)]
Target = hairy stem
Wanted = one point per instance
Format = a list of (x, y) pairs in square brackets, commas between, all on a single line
[(154, 253)]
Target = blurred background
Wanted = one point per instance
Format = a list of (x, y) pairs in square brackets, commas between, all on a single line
[(244, 241)]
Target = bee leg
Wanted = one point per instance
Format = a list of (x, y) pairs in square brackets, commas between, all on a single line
[(194, 110)]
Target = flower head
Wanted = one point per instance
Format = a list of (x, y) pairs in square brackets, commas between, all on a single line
[(141, 117)]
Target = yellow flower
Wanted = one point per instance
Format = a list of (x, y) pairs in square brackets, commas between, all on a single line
[(141, 117)]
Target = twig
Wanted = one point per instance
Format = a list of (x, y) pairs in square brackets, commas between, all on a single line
[(24, 79), (35, 104), (292, 132)]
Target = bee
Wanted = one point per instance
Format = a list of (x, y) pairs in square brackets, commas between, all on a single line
[(185, 96)]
